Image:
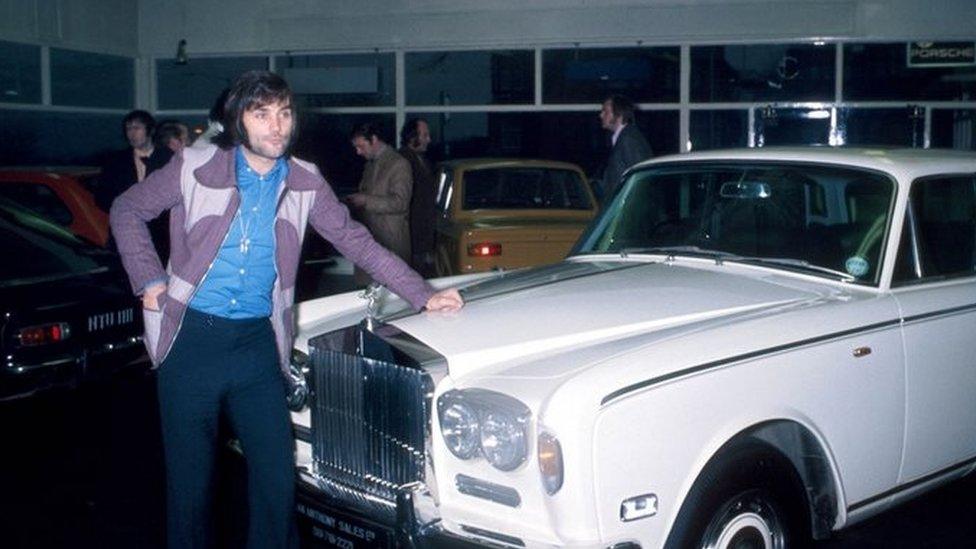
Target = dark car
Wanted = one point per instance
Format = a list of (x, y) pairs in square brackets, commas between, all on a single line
[(66, 312)]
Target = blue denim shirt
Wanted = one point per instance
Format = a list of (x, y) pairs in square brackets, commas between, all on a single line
[(240, 281)]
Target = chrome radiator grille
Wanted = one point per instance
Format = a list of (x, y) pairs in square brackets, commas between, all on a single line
[(369, 422)]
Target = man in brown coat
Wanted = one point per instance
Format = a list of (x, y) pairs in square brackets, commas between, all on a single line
[(383, 200)]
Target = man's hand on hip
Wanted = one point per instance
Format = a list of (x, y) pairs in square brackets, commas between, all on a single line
[(150, 297)]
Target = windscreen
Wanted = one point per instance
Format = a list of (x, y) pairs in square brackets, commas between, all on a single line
[(815, 215)]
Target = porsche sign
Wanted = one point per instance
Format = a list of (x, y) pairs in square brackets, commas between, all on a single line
[(941, 54)]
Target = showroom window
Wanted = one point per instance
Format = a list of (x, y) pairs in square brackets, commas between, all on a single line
[(954, 128), (350, 80), (767, 72), (467, 134), (792, 126), (589, 75), (716, 129), (899, 126), (33, 137), (20, 73), (84, 79), (500, 77), (196, 84), (565, 136), (867, 65)]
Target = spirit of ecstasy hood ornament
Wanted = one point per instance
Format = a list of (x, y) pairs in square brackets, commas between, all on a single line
[(372, 296)]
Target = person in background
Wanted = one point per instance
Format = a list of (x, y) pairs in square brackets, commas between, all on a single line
[(220, 321), (383, 199), (414, 140), (124, 168), (172, 134), (627, 144), (214, 122)]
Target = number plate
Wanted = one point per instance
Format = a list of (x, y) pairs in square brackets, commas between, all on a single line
[(326, 527)]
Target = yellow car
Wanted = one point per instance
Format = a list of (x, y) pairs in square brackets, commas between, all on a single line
[(508, 213)]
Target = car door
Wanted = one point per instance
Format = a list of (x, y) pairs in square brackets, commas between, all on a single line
[(935, 285)]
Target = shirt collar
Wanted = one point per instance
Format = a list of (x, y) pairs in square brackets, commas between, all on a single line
[(246, 175), (616, 134)]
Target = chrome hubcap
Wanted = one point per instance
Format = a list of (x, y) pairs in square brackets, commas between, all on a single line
[(747, 521)]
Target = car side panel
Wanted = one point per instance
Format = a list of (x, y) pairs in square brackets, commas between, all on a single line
[(659, 439)]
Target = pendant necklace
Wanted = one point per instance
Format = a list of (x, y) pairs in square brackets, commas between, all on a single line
[(245, 243)]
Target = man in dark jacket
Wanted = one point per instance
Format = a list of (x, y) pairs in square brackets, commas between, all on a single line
[(414, 139), (628, 145), (124, 168)]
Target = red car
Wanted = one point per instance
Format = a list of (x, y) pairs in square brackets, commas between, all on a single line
[(59, 194)]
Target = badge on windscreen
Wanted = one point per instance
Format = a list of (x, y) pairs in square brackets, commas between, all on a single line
[(857, 266)]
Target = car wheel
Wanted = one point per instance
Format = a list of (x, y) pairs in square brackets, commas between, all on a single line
[(750, 498)]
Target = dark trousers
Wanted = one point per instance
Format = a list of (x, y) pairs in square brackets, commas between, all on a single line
[(230, 367)]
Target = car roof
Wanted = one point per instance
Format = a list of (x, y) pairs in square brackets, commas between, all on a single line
[(481, 163), (905, 163)]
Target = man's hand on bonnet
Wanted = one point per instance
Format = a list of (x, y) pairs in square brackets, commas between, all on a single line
[(445, 301)]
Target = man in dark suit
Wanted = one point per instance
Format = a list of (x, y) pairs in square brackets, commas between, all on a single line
[(414, 139), (124, 168), (628, 145)]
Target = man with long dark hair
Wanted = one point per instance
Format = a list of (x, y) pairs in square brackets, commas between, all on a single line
[(219, 320)]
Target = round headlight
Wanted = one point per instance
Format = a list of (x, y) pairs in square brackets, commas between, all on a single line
[(459, 427), (502, 440)]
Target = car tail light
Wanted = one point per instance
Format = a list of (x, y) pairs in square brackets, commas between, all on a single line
[(44, 334), (484, 249)]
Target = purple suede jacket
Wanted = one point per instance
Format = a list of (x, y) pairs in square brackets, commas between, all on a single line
[(199, 188)]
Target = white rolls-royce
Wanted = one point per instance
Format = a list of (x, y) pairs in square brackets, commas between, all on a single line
[(747, 348)]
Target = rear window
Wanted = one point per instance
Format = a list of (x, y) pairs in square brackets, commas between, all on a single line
[(524, 189), (41, 251), (38, 198)]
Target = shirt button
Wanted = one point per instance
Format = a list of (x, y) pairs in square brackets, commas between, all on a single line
[(241, 271), (233, 302), (254, 209)]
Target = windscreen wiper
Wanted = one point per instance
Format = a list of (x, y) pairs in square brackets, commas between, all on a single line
[(800, 264), (686, 251)]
